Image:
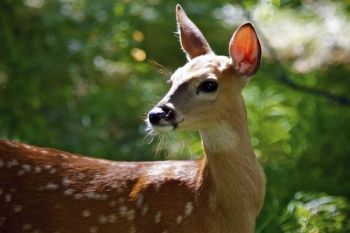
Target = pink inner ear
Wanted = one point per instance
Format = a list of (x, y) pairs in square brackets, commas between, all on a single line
[(245, 50)]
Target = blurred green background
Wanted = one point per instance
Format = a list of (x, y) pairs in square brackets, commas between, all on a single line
[(80, 76)]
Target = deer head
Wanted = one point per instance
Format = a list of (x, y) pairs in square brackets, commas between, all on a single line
[(208, 85)]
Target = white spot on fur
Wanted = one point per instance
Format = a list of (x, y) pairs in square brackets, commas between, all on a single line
[(87, 158), (158, 217), (179, 219), (44, 151), (48, 166), (27, 146), (51, 186), (37, 169), (102, 219), (12, 144), (93, 229), (34, 149), (139, 201), (122, 210), (2, 220), (27, 227), (112, 203), (132, 229), (130, 215), (144, 210), (103, 161), (188, 208), (66, 181), (27, 167), (53, 171), (112, 218), (17, 208), (96, 196), (8, 198), (12, 163), (120, 190), (86, 213), (68, 192), (21, 172), (63, 156), (157, 186), (81, 176), (114, 185), (78, 196), (171, 169)]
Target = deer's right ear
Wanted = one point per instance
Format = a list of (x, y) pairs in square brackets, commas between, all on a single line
[(245, 50), (192, 40)]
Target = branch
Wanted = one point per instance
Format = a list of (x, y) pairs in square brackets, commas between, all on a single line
[(284, 77)]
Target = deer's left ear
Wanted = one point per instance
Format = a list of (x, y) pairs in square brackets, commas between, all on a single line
[(192, 40), (245, 50)]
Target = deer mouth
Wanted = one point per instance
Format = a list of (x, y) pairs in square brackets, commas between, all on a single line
[(164, 126), (168, 126)]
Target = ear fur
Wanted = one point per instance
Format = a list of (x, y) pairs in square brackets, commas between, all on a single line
[(192, 40), (245, 50)]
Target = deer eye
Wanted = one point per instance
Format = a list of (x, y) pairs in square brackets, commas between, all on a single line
[(207, 86)]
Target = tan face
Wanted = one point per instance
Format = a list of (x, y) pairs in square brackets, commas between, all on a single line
[(206, 88), (196, 95)]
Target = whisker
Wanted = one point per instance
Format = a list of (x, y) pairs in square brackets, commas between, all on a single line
[(150, 133), (159, 146), (159, 67)]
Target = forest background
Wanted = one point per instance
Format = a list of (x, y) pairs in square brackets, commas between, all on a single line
[(80, 76)]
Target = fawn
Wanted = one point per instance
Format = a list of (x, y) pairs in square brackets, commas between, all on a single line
[(44, 190)]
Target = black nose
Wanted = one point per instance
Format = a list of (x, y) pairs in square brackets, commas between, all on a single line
[(154, 117), (163, 112)]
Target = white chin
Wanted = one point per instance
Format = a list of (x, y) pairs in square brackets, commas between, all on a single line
[(163, 128)]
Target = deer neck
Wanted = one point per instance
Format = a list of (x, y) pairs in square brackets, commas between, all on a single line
[(235, 178)]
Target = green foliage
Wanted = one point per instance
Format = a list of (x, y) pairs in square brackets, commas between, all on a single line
[(74, 75), (316, 212)]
